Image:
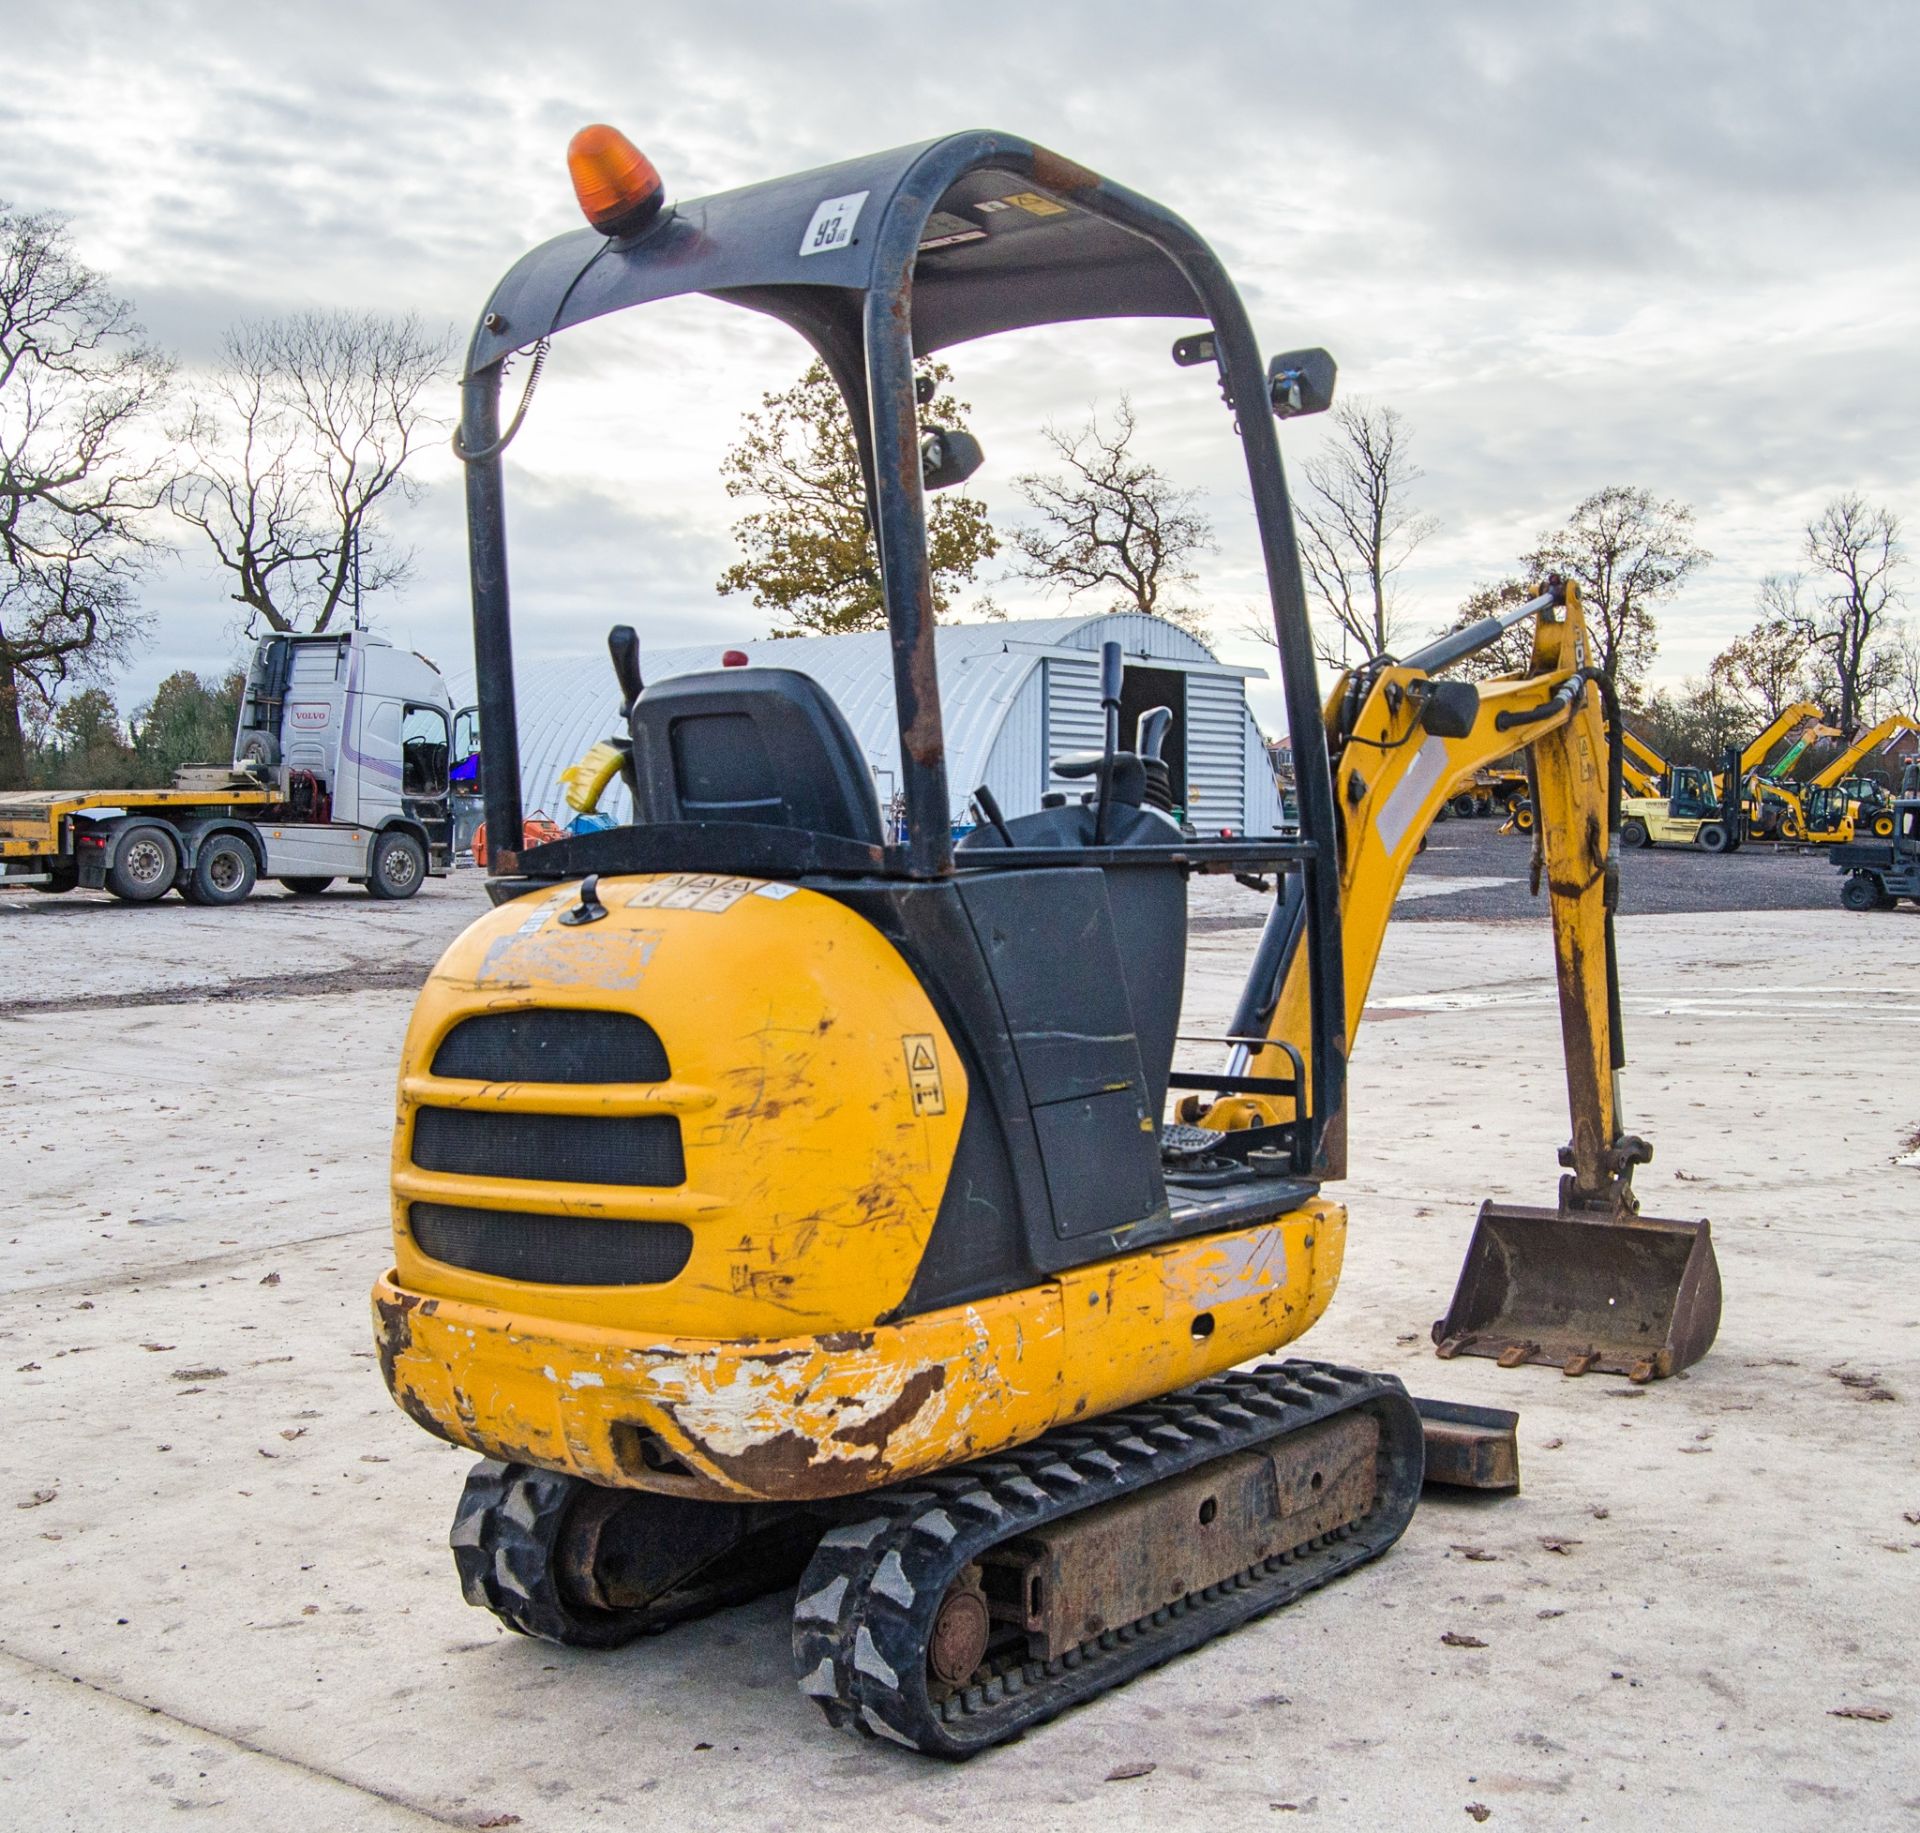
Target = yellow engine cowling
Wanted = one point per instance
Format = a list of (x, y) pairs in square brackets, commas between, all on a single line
[(818, 1102)]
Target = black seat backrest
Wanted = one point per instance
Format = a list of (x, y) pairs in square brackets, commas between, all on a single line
[(766, 745)]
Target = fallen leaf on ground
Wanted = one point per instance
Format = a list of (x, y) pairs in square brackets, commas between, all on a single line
[(293, 1432), (272, 1279), (1553, 1444), (1130, 1772), (1912, 1515), (1543, 1614), (1874, 1715), (27, 1368), (1455, 1638), (1558, 1543), (499, 1820), (1474, 1553), (367, 1457), (39, 1499), (1478, 1810), (159, 1346), (197, 1374), (1599, 1511)]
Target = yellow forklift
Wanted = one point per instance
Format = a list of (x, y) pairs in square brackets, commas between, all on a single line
[(780, 1202)]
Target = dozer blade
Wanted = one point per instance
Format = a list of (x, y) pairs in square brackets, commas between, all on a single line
[(1633, 1295)]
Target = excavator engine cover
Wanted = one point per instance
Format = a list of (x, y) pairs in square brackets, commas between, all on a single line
[(1633, 1295)]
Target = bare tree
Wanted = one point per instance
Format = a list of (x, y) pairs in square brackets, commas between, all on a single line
[(1857, 547), (1357, 528), (1627, 551), (1902, 650), (78, 384), (1766, 670), (298, 452), (1112, 524)]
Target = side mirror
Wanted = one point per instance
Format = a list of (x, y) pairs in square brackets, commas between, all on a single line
[(948, 456), (1301, 382), (1450, 709)]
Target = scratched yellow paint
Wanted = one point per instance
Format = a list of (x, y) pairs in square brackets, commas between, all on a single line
[(812, 1173), (841, 1411)]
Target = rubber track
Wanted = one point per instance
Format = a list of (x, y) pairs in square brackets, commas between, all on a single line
[(506, 1529), (865, 1610)]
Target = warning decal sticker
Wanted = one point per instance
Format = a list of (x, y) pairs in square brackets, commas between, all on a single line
[(923, 1073), (691, 891)]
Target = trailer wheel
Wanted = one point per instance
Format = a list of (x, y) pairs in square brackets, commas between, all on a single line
[(223, 873), (144, 863), (1633, 832), (1713, 838), (306, 887), (399, 863), (1860, 893)]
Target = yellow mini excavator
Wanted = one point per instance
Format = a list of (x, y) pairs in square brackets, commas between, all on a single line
[(780, 1198)]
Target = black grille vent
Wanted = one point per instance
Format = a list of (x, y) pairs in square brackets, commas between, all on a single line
[(547, 1045), (555, 1148), (551, 1250)]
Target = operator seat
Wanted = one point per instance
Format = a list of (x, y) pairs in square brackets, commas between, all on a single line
[(765, 745)]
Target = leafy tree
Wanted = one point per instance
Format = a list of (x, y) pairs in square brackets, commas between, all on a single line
[(1856, 549), (83, 746), (1766, 670), (77, 385), (298, 451), (808, 553), (1696, 724), (1112, 524), (1627, 552), (1357, 526), (188, 721)]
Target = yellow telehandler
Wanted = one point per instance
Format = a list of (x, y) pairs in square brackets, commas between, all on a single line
[(777, 1201)]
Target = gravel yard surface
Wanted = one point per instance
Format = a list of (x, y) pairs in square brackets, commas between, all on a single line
[(225, 1595)]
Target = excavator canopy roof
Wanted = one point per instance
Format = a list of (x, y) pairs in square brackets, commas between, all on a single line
[(999, 236)]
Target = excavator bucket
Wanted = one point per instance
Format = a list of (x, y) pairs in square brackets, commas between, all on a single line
[(1633, 1295)]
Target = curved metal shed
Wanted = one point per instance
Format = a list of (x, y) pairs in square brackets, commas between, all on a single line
[(1013, 696)]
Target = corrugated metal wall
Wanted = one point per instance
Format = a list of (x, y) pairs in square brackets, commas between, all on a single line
[(1075, 721), (1217, 721), (1016, 768)]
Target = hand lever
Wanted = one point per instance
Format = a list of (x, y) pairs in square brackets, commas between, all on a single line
[(1111, 673), (623, 644), (1150, 736)]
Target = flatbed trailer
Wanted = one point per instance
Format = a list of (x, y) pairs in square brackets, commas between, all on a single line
[(341, 770)]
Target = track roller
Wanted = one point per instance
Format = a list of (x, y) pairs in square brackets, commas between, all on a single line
[(968, 1607)]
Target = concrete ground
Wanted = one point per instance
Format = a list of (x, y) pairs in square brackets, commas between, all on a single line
[(226, 1601)]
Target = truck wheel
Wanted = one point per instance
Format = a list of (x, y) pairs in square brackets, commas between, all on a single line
[(306, 887), (399, 863), (223, 873), (144, 863), (1633, 832), (1860, 892), (1463, 806), (1713, 838)]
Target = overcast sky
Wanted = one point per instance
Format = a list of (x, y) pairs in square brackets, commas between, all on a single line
[(1668, 245)]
